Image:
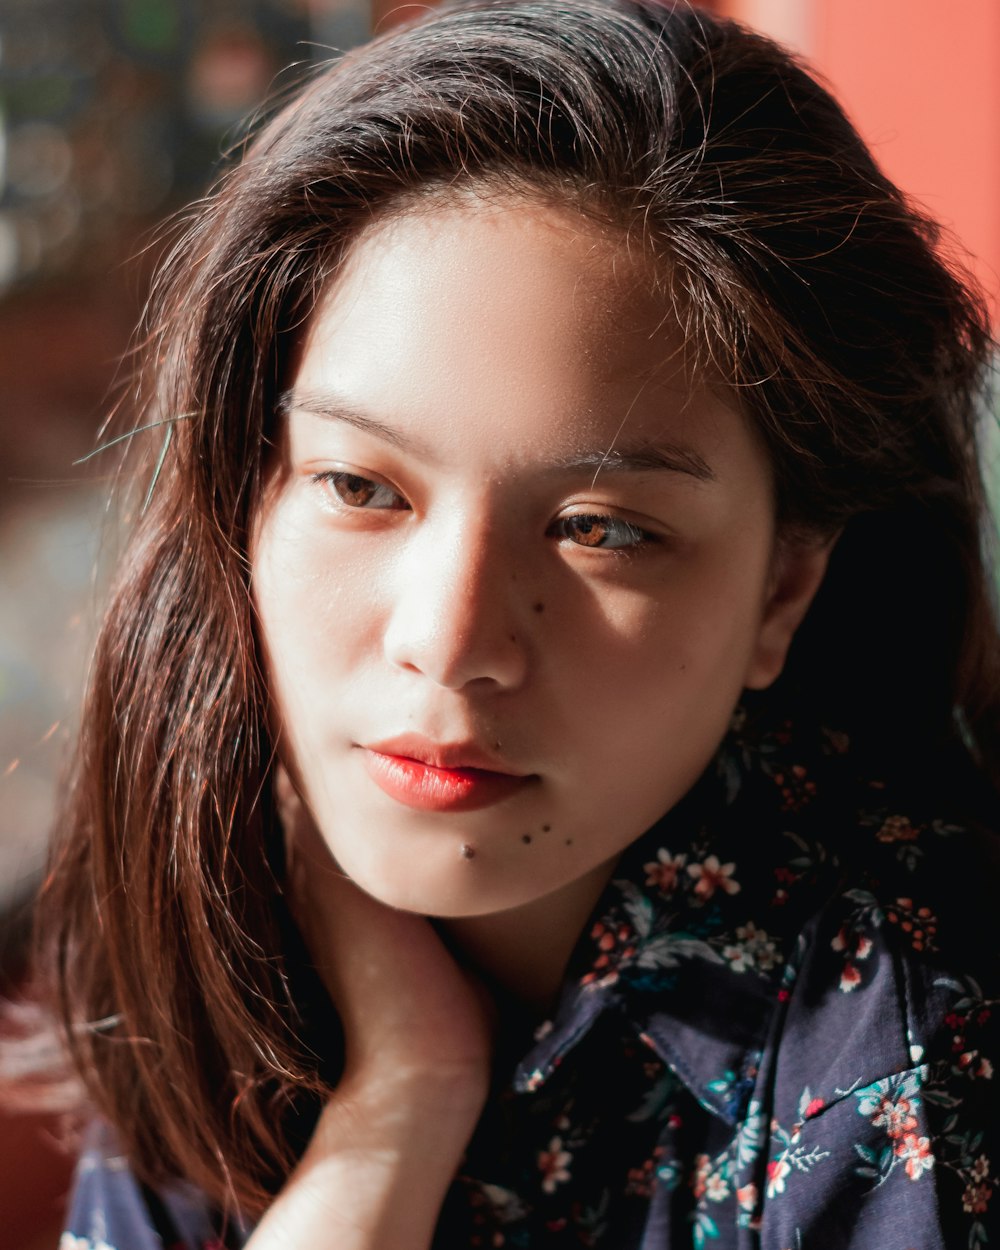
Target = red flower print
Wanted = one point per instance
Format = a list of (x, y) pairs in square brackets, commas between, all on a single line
[(855, 946), (976, 1199), (664, 872), (852, 942), (702, 1167), (897, 829), (616, 943), (747, 1197), (919, 923), (552, 1164), (640, 1180), (777, 1173), (917, 1153), (796, 788), (895, 1117), (850, 978), (711, 876)]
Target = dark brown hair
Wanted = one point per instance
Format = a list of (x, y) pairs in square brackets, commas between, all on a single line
[(810, 283)]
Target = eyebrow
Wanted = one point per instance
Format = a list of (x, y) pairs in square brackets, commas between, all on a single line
[(661, 457), (335, 408)]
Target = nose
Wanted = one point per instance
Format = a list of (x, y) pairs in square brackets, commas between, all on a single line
[(455, 616)]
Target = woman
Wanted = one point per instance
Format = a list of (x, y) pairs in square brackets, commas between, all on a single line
[(557, 618)]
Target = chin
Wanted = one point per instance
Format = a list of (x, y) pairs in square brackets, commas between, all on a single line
[(443, 900), (462, 887)]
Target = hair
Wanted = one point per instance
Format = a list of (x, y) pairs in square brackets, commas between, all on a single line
[(811, 285)]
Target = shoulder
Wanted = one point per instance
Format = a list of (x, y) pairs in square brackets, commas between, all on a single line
[(911, 932), (110, 1209), (883, 1067)]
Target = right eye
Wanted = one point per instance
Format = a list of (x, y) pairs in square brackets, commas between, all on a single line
[(354, 491)]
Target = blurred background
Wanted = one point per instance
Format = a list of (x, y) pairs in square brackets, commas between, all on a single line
[(113, 114)]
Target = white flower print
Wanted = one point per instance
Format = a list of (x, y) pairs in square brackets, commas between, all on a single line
[(777, 1173), (753, 948)]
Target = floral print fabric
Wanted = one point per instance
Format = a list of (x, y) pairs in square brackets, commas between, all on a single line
[(778, 1031)]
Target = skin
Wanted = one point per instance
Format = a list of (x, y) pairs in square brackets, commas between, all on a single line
[(476, 377), (458, 599)]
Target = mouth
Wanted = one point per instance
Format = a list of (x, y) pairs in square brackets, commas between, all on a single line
[(440, 777)]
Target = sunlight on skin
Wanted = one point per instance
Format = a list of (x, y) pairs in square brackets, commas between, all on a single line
[(447, 551)]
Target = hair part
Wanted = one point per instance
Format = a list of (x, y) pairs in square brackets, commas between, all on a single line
[(805, 279)]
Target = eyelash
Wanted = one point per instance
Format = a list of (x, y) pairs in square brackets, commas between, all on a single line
[(337, 477), (636, 538)]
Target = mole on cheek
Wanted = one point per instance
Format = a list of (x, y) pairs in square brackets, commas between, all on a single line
[(539, 607), (467, 851), (526, 837), (569, 841), (546, 828)]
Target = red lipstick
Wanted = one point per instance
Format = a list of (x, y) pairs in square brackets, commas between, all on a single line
[(438, 777)]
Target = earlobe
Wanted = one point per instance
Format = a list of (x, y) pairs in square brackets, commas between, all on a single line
[(797, 572)]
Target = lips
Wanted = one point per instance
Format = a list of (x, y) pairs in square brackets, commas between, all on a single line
[(440, 777)]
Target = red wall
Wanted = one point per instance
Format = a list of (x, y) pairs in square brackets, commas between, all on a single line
[(921, 81)]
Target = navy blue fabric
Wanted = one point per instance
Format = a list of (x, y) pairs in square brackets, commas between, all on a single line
[(778, 1030)]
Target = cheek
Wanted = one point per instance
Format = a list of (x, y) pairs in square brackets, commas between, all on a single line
[(698, 624), (315, 604), (293, 605)]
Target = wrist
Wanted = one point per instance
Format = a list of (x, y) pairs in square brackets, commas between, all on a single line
[(399, 1109), (376, 1170)]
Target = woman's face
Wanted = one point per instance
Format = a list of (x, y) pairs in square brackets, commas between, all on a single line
[(513, 565)]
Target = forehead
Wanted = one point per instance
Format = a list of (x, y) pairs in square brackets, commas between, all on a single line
[(510, 315), (586, 282)]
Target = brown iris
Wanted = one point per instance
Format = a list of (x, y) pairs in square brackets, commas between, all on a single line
[(587, 531), (353, 490)]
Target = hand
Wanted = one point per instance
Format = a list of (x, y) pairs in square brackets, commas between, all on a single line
[(418, 1041), (407, 1008)]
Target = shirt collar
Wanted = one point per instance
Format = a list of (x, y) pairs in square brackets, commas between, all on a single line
[(691, 939)]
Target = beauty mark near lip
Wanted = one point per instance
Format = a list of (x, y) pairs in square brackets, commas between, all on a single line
[(431, 789)]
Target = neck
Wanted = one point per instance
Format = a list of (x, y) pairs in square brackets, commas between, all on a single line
[(523, 952)]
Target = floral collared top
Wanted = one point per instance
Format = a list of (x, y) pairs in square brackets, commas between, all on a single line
[(777, 1032)]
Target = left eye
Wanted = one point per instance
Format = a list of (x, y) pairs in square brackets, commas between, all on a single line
[(355, 491), (586, 530)]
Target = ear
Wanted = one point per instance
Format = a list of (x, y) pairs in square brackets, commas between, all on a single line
[(797, 569)]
